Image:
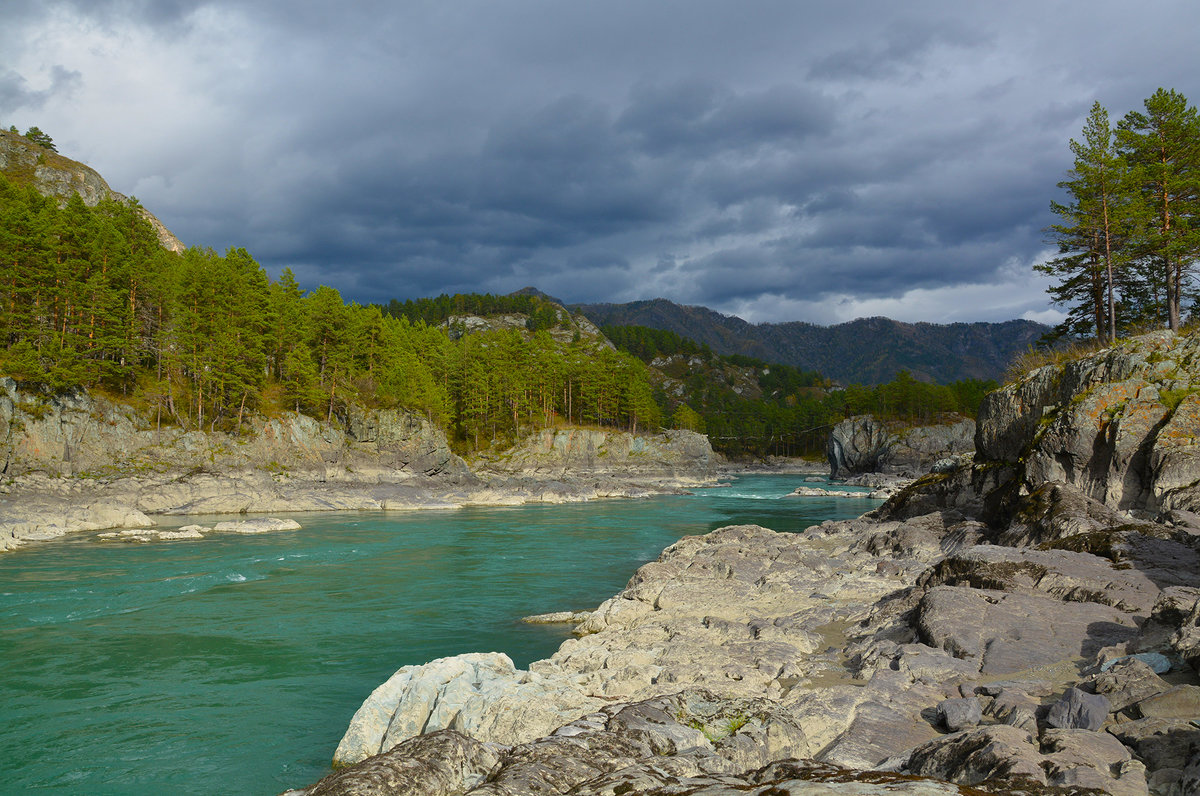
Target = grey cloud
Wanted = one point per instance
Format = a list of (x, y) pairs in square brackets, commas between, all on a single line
[(763, 154), (902, 44), (704, 116), (15, 91)]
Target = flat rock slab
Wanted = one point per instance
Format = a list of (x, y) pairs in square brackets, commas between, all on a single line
[(1063, 574), (1180, 702), (1004, 632)]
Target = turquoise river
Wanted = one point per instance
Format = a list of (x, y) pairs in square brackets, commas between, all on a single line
[(233, 664)]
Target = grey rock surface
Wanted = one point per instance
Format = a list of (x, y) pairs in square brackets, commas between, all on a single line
[(1119, 424), (1127, 682), (959, 713), (1079, 710), (865, 444), (78, 462), (1003, 632), (440, 763), (678, 455)]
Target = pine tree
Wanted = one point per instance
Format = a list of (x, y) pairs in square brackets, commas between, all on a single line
[(41, 139), (1163, 145), (1094, 233)]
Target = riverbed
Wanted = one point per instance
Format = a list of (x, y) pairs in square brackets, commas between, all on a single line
[(234, 663)]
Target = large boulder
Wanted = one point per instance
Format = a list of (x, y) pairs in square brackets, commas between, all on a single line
[(865, 444), (478, 694)]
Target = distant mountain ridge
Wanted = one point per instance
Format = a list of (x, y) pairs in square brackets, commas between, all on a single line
[(866, 350)]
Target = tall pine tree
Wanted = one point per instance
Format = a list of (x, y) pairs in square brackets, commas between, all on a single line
[(1093, 235), (1163, 146)]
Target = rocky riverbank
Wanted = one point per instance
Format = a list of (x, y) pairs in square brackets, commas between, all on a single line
[(83, 463), (1026, 621)]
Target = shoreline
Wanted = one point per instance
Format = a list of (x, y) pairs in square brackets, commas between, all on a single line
[(36, 508)]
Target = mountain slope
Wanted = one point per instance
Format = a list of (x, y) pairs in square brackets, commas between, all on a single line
[(867, 350)]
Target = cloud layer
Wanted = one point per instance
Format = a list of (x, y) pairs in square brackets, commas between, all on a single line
[(778, 160)]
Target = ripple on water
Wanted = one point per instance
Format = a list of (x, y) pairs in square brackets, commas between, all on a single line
[(171, 668)]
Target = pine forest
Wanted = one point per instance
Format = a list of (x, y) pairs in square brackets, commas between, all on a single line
[(199, 339)]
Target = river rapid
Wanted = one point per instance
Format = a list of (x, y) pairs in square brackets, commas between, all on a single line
[(233, 664)]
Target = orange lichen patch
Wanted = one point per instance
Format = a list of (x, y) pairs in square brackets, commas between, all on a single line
[(1184, 426), (1103, 403)]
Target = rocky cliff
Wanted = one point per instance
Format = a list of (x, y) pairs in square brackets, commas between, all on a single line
[(27, 163), (987, 630), (865, 444), (81, 462), (1122, 426), (587, 453), (78, 434)]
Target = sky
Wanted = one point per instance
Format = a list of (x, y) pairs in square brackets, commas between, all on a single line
[(773, 159)]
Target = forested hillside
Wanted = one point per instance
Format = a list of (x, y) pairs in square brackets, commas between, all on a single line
[(88, 298), (751, 407), (864, 351), (95, 294)]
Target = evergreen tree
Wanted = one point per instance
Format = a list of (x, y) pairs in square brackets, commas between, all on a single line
[(41, 139), (1163, 145), (1094, 232)]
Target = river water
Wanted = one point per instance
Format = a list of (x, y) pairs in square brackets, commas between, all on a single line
[(233, 664)]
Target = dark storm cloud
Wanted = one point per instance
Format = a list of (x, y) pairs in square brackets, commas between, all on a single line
[(770, 157), (15, 91)]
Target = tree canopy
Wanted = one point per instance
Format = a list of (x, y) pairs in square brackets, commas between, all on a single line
[(1129, 230), (41, 139), (88, 298)]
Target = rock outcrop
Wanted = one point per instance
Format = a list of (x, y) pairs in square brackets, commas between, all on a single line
[(53, 175), (80, 462), (864, 444), (1121, 426), (677, 456), (84, 435), (985, 627)]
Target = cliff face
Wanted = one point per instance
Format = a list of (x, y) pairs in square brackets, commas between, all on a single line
[(51, 174), (1122, 426), (864, 444), (676, 455), (87, 436)]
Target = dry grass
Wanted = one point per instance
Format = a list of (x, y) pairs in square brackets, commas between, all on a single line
[(1035, 358)]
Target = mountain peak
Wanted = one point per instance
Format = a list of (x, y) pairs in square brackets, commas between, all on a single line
[(529, 290)]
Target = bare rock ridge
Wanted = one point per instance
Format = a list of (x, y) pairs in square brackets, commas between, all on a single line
[(27, 163), (683, 456), (1026, 622)]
